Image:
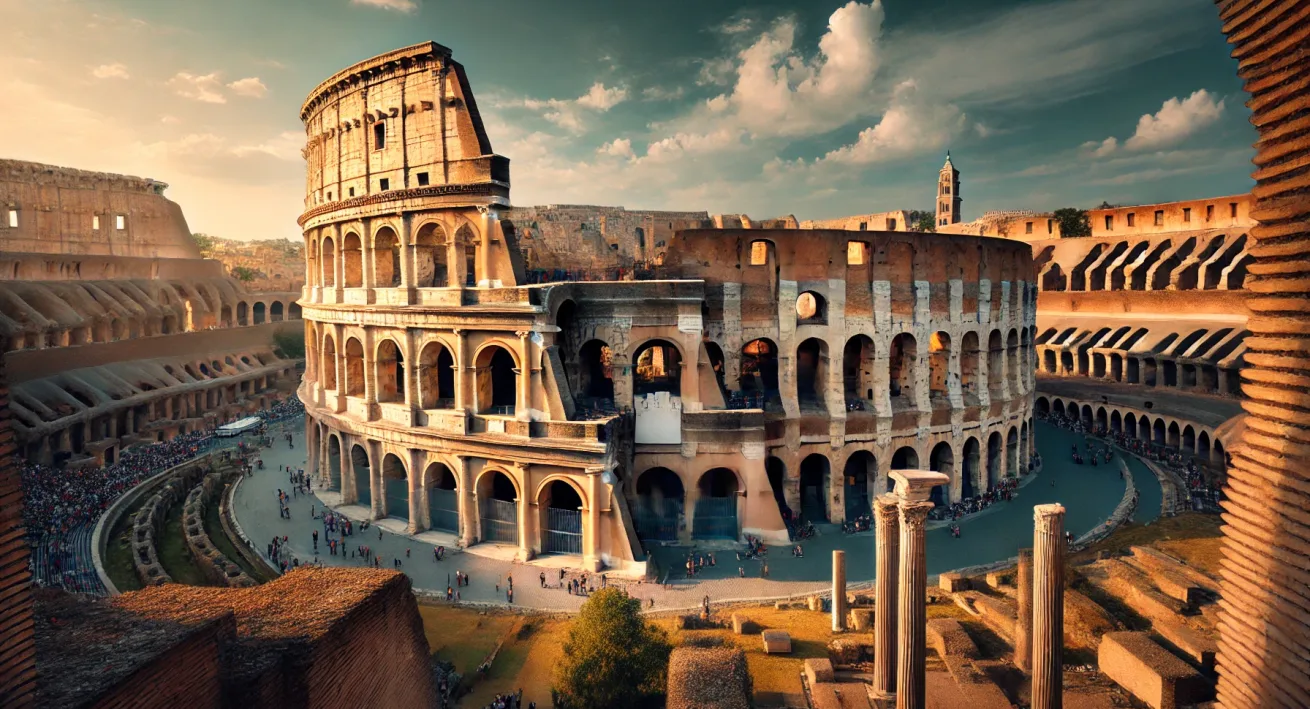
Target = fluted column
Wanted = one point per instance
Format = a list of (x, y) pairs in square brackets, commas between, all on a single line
[(523, 403), (886, 562), (467, 500), (913, 488), (1048, 606), (838, 591), (1023, 642)]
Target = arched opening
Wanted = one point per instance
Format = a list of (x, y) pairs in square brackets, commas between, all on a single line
[(390, 364), (259, 313), (1042, 406), (386, 258), (225, 316), (596, 375), (811, 308), (1058, 408), (995, 455), (362, 470), (995, 365), (352, 260), (497, 383), (293, 312), (1116, 424), (969, 481), (659, 369), (395, 487), (243, 314), (329, 262), (436, 377), (1203, 446), (1023, 449), (561, 522), (716, 510), (498, 508), (861, 475), (776, 471), (1130, 425), (1048, 361), (275, 311), (1012, 453), (430, 257), (1189, 440), (759, 369), (1015, 374), (1174, 435), (1117, 367), (354, 368), (1102, 423), (1144, 429), (943, 461), (815, 488), (1217, 456), (328, 365), (1087, 419), (334, 463), (659, 510), (858, 359), (902, 362), (939, 359), (811, 372), (467, 245), (969, 356), (443, 498)]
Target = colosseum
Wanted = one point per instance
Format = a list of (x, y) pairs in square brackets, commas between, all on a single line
[(752, 373)]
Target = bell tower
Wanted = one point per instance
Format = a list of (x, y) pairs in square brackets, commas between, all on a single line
[(948, 194)]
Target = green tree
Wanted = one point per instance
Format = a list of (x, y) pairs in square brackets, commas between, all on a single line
[(1073, 222), (923, 221), (244, 274), (289, 343), (613, 657), (205, 243)]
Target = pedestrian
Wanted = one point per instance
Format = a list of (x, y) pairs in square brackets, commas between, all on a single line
[(407, 553), (543, 579), (509, 595), (741, 571)]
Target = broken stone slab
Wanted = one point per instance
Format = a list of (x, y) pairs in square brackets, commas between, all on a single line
[(1151, 673), (818, 670), (861, 620), (1155, 558), (776, 642), (952, 582), (743, 625), (948, 638)]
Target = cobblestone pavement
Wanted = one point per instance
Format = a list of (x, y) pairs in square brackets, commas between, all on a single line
[(1091, 494)]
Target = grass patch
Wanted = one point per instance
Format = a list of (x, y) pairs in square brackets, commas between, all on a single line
[(463, 636), (118, 554), (174, 556), (214, 528), (1192, 537)]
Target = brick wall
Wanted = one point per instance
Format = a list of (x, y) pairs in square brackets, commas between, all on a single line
[(17, 631)]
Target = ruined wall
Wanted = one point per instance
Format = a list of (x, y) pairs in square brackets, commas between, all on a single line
[(898, 220), (17, 626), (58, 210), (569, 236), (277, 265)]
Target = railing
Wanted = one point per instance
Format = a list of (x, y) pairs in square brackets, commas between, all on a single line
[(500, 521), (563, 532), (658, 523), (443, 509), (716, 518)]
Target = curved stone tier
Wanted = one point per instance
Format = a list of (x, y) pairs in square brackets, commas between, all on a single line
[(148, 522), (203, 552)]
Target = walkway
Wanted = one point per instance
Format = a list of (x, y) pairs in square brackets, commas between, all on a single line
[(1090, 493)]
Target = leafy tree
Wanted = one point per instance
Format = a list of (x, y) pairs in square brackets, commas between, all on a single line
[(289, 343), (205, 243), (923, 221), (1073, 222), (244, 274), (613, 657)]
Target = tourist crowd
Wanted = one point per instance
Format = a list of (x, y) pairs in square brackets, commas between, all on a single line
[(1003, 491)]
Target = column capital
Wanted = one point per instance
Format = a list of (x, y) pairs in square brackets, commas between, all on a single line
[(523, 334), (914, 515), (884, 507), (917, 485), (1048, 518)]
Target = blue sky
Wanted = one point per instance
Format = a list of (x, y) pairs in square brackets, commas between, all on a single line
[(816, 108)]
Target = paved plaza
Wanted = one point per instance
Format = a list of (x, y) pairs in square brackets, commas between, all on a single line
[(1089, 493)]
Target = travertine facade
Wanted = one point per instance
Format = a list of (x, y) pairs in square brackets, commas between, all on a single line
[(728, 385)]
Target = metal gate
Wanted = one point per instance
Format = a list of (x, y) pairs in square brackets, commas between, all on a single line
[(563, 532), (658, 521), (443, 509), (363, 489), (716, 518), (334, 473), (396, 493), (500, 521)]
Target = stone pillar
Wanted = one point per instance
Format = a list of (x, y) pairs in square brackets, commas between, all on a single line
[(1023, 642), (460, 367), (886, 561), (418, 503), (913, 488), (525, 506), (838, 591), (1048, 606), (468, 521), (523, 401)]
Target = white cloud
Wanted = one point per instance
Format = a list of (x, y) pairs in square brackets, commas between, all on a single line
[(405, 6), (694, 143), (110, 71), (600, 98), (619, 148), (250, 87), (1103, 148), (737, 25), (206, 88), (716, 72), (1175, 121), (908, 127)]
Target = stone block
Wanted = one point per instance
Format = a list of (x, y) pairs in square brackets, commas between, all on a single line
[(999, 615), (776, 642), (861, 620), (1156, 559), (1191, 643), (818, 670), (1085, 621), (952, 582), (849, 651), (999, 579), (948, 638), (1151, 673), (742, 625), (815, 603)]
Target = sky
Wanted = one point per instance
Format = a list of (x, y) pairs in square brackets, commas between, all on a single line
[(815, 108)]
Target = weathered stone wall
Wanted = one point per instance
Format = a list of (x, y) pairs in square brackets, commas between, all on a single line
[(217, 567), (17, 639), (568, 236), (59, 210), (277, 265)]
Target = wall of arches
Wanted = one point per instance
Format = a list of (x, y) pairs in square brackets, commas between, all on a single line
[(1165, 431)]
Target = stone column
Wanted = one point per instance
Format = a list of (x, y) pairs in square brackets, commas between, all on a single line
[(886, 561), (913, 488), (1048, 606), (468, 522), (460, 367), (523, 403), (1023, 642), (838, 591)]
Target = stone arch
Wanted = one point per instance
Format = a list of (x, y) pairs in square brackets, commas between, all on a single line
[(657, 367), (334, 462), (905, 458), (939, 365), (1015, 373), (328, 261), (499, 497), (258, 313), (942, 460), (595, 372), (1087, 418), (1130, 425), (436, 377), (969, 366), (389, 370), (716, 511), (903, 366), (1189, 440), (970, 478), (243, 314), (497, 380), (1042, 406), (995, 459), (759, 367), (361, 475), (467, 244), (386, 258), (293, 311), (395, 486), (1102, 421), (1012, 453), (1058, 408), (275, 311), (352, 261), (328, 366), (1203, 446), (816, 488), (811, 372), (1159, 430), (860, 477), (430, 256), (442, 486), (995, 364), (1116, 423), (560, 502), (859, 358), (811, 307), (354, 367), (660, 508), (1174, 436)]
